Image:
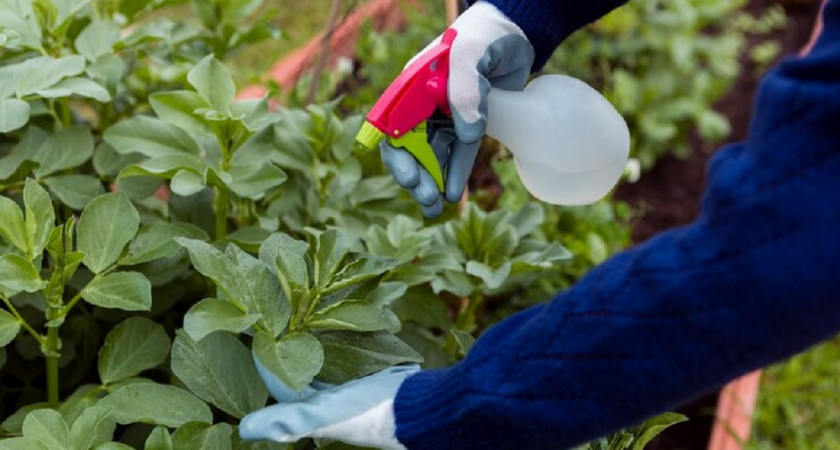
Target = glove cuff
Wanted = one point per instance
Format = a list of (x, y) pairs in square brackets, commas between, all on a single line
[(547, 23), (429, 409)]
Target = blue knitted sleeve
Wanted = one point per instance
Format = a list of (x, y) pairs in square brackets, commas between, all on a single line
[(547, 23), (754, 279)]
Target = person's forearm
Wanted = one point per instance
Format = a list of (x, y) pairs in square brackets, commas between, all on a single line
[(548, 22), (753, 280)]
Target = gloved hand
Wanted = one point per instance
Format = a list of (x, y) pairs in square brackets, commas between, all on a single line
[(360, 412), (489, 51)]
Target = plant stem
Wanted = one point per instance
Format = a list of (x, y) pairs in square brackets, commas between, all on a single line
[(22, 321), (465, 321), (220, 207), (66, 309), (53, 346), (466, 318)]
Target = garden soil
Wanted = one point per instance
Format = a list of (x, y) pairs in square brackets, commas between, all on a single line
[(669, 195)]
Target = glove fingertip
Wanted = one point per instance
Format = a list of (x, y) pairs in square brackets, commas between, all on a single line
[(402, 166), (434, 210)]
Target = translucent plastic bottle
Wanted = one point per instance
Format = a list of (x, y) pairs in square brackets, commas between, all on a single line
[(569, 144)]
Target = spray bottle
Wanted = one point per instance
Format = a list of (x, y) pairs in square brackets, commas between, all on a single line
[(569, 144)]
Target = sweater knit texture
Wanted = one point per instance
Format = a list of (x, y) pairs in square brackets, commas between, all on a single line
[(547, 23), (754, 279)]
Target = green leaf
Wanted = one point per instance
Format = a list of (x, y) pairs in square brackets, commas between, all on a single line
[(465, 340), (48, 427), (295, 358), (157, 404), (44, 71), (90, 426), (107, 162), (349, 355), (457, 283), (219, 369), (331, 249), (65, 149), (491, 277), (423, 307), (249, 238), (354, 315), (82, 87), (9, 327), (129, 291), (199, 436), (40, 217), (387, 293), (12, 225), (107, 71), (288, 256), (245, 280), (107, 223), (528, 219), (19, 274), (149, 136), (134, 345), (97, 39), (159, 439), (186, 183), (213, 82), (31, 140), (655, 425), (257, 149), (22, 443), (13, 424), (75, 191), (357, 268), (178, 108), (252, 181), (14, 113), (157, 241), (164, 166), (211, 315)]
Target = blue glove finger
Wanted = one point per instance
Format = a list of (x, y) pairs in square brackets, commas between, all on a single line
[(294, 421), (426, 192), (278, 389), (284, 422), (441, 139), (281, 392), (461, 160), (401, 164), (434, 210)]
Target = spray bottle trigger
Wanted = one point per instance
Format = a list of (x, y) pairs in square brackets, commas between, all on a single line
[(416, 143)]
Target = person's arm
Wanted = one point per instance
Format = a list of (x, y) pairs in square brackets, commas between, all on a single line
[(754, 279), (547, 23)]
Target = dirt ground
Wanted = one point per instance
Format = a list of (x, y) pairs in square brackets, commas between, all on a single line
[(670, 194)]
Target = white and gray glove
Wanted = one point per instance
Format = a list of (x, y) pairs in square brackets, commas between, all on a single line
[(489, 51)]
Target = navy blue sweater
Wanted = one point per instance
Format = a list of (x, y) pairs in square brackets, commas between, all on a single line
[(754, 279)]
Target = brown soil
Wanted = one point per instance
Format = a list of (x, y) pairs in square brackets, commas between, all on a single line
[(670, 194)]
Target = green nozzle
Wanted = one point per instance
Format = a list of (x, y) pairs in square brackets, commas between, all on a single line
[(369, 136)]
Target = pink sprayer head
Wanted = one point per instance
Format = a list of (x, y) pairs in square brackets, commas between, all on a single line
[(413, 97)]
